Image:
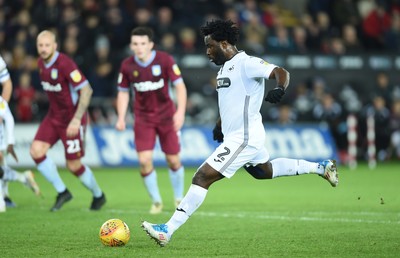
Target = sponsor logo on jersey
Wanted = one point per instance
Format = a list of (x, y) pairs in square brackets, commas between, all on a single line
[(156, 70), (264, 62), (148, 85), (230, 69), (2, 106), (176, 70), (49, 87), (76, 76), (223, 83), (54, 74), (135, 73)]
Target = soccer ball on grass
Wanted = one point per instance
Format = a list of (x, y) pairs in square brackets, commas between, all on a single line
[(114, 232)]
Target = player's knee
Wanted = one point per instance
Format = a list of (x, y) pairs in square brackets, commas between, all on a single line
[(36, 151), (74, 165), (174, 162), (206, 176), (261, 171)]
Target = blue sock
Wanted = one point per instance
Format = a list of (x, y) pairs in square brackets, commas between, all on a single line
[(177, 181), (88, 180), (49, 170), (150, 181)]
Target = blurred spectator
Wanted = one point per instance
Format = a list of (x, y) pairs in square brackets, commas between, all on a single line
[(345, 12), (280, 41), (168, 43), (395, 130), (47, 14), (303, 102), (165, 22), (383, 88), (375, 25), (392, 36), (350, 99), (381, 116), (282, 115), (255, 34), (313, 41), (350, 39), (25, 96), (330, 111), (187, 40), (299, 40)]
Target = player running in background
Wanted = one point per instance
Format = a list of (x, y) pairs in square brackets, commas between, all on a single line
[(240, 87), (8, 174), (149, 73), (69, 95)]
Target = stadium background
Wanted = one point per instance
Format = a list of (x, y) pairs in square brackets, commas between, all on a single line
[(343, 57)]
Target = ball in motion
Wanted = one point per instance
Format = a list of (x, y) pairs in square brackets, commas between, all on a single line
[(114, 232)]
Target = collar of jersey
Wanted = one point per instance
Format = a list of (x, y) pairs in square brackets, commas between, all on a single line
[(144, 64), (53, 60)]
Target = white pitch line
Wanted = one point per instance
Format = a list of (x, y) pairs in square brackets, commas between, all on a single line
[(293, 218), (303, 216)]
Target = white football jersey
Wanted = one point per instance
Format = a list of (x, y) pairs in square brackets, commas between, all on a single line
[(4, 75), (7, 118), (241, 87)]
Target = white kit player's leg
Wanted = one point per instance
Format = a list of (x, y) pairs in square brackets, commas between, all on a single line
[(2, 202), (26, 178), (290, 167), (162, 233)]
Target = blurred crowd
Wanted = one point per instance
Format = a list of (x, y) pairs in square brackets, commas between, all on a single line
[(96, 34)]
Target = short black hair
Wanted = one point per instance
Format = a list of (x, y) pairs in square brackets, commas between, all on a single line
[(221, 30), (143, 31)]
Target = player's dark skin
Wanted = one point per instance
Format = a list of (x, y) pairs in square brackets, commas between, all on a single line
[(219, 53)]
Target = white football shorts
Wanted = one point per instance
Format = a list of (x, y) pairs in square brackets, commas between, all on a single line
[(230, 156)]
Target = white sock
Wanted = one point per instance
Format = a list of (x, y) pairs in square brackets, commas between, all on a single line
[(49, 170), (5, 188), (177, 182), (2, 203), (292, 167), (192, 200), (13, 175), (150, 182), (88, 180)]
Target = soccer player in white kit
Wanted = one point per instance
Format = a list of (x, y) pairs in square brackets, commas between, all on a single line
[(7, 143), (240, 87)]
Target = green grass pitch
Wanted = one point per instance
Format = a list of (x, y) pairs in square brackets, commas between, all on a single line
[(301, 216)]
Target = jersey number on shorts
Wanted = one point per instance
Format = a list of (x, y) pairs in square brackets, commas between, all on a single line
[(73, 146), (220, 157)]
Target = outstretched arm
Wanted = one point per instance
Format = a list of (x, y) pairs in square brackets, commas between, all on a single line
[(181, 98), (84, 100), (282, 78)]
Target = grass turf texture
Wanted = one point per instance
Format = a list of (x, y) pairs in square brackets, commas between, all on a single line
[(300, 216)]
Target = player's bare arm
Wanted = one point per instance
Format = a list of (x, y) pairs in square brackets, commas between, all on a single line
[(122, 106), (84, 100), (10, 149), (7, 90), (181, 97), (282, 78)]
